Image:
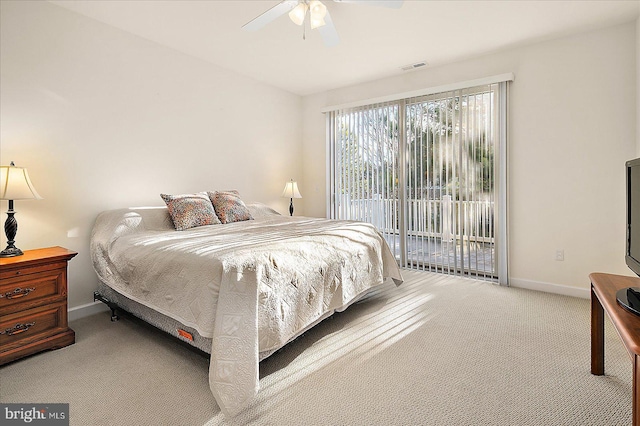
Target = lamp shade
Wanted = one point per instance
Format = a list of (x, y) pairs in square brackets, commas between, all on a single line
[(317, 22), (318, 9), (317, 12), (16, 185), (291, 190), (298, 13)]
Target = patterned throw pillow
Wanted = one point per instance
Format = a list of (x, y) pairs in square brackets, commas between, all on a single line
[(229, 207), (190, 210)]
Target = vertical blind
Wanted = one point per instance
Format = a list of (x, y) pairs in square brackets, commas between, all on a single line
[(430, 173)]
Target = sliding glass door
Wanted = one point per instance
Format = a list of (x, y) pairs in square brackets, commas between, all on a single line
[(428, 172), (366, 171)]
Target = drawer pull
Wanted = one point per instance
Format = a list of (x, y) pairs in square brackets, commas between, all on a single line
[(17, 329), (17, 293)]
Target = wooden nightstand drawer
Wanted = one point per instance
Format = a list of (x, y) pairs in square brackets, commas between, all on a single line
[(17, 272), (28, 290), (35, 330), (22, 327)]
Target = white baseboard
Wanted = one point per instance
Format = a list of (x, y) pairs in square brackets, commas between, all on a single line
[(86, 310), (583, 293)]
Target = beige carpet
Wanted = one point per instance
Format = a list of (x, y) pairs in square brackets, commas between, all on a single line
[(435, 351)]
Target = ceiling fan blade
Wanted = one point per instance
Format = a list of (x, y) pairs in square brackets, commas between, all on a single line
[(393, 4), (328, 32), (270, 15)]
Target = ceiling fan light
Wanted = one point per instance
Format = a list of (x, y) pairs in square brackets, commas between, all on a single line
[(298, 13), (317, 9), (317, 22)]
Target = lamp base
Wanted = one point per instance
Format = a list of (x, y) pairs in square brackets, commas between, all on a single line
[(10, 229), (11, 251)]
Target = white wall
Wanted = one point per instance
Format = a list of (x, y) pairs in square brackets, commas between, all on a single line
[(572, 127), (103, 119)]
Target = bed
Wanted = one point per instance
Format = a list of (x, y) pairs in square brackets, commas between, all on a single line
[(238, 290)]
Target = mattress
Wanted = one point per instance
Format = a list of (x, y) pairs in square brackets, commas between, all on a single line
[(249, 287), (149, 315)]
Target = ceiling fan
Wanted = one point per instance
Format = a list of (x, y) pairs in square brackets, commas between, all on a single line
[(318, 14)]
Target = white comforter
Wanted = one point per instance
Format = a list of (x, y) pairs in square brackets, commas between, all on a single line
[(250, 286)]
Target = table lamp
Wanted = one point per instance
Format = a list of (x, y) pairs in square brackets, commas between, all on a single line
[(14, 185), (291, 191)]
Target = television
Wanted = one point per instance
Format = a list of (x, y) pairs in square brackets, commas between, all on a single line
[(632, 256)]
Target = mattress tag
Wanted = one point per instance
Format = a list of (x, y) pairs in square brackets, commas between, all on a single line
[(186, 335)]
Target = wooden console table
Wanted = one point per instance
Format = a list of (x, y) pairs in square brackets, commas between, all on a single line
[(627, 324)]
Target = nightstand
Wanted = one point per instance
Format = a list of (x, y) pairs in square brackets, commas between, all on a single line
[(33, 303)]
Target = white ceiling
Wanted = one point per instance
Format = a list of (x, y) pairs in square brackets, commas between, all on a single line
[(375, 42)]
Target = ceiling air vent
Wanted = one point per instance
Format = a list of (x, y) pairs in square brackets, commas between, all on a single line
[(414, 66)]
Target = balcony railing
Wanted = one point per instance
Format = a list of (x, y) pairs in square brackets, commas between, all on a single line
[(441, 234), (445, 219)]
